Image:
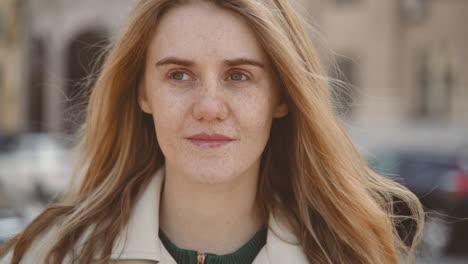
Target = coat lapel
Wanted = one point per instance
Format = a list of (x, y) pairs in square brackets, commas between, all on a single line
[(141, 241), (282, 245)]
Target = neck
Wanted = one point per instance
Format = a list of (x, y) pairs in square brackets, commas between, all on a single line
[(210, 218)]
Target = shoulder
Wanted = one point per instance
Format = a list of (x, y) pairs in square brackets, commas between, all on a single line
[(38, 249), (283, 246), (6, 259), (29, 258)]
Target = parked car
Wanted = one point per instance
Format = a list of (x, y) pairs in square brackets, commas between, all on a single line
[(11, 223), (7, 142), (441, 184), (38, 168)]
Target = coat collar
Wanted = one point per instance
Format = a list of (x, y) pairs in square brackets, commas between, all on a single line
[(140, 240)]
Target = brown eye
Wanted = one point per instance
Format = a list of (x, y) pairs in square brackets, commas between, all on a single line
[(180, 76), (237, 76)]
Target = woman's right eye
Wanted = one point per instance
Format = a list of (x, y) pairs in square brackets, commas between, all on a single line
[(180, 76)]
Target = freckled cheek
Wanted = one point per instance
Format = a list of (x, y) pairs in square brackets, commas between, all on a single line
[(255, 115), (169, 113)]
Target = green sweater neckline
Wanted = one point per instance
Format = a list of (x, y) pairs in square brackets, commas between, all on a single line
[(244, 255)]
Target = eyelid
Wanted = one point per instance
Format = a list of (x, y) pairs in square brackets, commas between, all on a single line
[(169, 75), (241, 72)]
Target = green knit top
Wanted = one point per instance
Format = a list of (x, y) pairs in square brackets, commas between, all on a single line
[(244, 255)]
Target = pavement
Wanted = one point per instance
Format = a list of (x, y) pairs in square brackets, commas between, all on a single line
[(443, 260)]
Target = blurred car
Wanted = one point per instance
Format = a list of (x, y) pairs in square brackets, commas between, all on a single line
[(6, 142), (38, 167), (11, 223), (440, 183)]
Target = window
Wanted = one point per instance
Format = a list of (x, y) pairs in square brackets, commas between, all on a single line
[(84, 61), (2, 25), (413, 9), (36, 85), (3, 98), (435, 81), (422, 76), (2, 85), (343, 86), (344, 2)]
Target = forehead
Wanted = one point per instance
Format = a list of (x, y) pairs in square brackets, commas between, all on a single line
[(203, 30)]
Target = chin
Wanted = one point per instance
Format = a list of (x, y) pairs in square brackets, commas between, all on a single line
[(212, 176)]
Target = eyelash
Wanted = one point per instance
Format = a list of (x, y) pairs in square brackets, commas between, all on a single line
[(247, 77), (171, 74)]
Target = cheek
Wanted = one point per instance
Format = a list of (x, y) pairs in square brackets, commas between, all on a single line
[(167, 105), (256, 113), (168, 116)]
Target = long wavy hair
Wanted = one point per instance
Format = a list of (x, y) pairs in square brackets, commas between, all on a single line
[(312, 178)]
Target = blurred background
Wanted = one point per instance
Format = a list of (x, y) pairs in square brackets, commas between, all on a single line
[(401, 90)]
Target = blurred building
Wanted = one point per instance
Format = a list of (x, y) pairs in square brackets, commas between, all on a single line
[(406, 59), (64, 38), (10, 67)]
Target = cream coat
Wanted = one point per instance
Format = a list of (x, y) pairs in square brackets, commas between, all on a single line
[(142, 244)]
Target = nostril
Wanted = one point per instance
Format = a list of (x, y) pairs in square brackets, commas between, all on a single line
[(209, 109)]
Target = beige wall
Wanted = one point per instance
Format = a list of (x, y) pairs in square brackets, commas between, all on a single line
[(384, 45), (365, 32), (10, 68), (373, 33), (58, 23), (445, 36)]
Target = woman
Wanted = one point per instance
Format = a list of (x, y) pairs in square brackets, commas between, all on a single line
[(210, 138)]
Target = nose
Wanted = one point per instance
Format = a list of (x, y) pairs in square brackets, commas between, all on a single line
[(210, 104)]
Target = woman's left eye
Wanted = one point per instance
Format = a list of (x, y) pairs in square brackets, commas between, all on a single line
[(238, 76)]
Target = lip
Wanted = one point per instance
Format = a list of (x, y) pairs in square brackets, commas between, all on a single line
[(210, 140)]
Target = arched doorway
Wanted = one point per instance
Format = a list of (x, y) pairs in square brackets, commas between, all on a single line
[(84, 60), (343, 86), (37, 70)]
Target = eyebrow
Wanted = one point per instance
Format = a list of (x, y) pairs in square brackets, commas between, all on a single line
[(189, 63), (244, 61), (176, 61)]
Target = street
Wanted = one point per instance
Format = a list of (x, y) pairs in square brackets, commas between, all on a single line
[(444, 260)]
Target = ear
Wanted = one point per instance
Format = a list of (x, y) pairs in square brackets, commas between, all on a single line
[(281, 110), (143, 99)]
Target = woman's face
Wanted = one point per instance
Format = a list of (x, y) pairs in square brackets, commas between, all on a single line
[(211, 91)]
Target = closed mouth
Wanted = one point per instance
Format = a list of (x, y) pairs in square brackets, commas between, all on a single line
[(210, 140)]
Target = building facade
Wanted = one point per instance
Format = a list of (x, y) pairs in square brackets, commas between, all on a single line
[(11, 58), (406, 59), (64, 37)]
